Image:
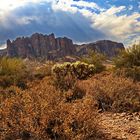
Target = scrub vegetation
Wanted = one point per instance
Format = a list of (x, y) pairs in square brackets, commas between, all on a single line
[(42, 101)]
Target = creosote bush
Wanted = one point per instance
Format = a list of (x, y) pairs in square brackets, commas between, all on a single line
[(66, 74)]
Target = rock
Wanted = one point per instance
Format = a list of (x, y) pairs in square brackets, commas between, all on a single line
[(39, 45), (106, 47), (132, 130), (122, 114), (52, 48)]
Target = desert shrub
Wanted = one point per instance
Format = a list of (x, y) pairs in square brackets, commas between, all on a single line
[(128, 58), (11, 66), (6, 81), (76, 93), (128, 62), (96, 59), (43, 70), (66, 74), (11, 71), (133, 73), (113, 93), (8, 93), (41, 113)]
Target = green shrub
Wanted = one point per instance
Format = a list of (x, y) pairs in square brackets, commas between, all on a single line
[(66, 74), (128, 62), (128, 58), (96, 59), (11, 66), (133, 73), (12, 70)]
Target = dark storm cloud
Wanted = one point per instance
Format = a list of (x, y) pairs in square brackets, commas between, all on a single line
[(41, 18)]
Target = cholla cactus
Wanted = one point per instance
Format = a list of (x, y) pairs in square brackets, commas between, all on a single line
[(83, 70), (66, 74), (78, 69)]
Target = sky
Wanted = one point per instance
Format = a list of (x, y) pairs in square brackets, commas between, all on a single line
[(81, 20)]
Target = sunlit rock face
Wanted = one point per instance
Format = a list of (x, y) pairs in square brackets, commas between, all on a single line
[(107, 47), (50, 47)]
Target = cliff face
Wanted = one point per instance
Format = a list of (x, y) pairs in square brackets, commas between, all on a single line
[(47, 46), (39, 45), (106, 47)]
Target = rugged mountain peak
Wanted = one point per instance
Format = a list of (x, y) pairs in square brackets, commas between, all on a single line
[(39, 45), (50, 47), (52, 35)]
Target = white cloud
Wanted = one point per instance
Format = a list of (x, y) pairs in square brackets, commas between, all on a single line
[(86, 4), (117, 26), (72, 6), (12, 4), (120, 27), (64, 5), (26, 20), (6, 6), (113, 24), (130, 7), (3, 46)]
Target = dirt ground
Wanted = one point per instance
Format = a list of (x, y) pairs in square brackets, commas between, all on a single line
[(120, 126)]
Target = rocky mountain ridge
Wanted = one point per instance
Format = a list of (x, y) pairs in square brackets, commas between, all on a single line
[(51, 48), (39, 45), (107, 47)]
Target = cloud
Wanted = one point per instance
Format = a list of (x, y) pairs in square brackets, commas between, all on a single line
[(119, 27), (12, 4), (116, 26), (130, 7), (43, 18), (72, 6), (8, 6), (3, 46), (114, 22), (83, 21)]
